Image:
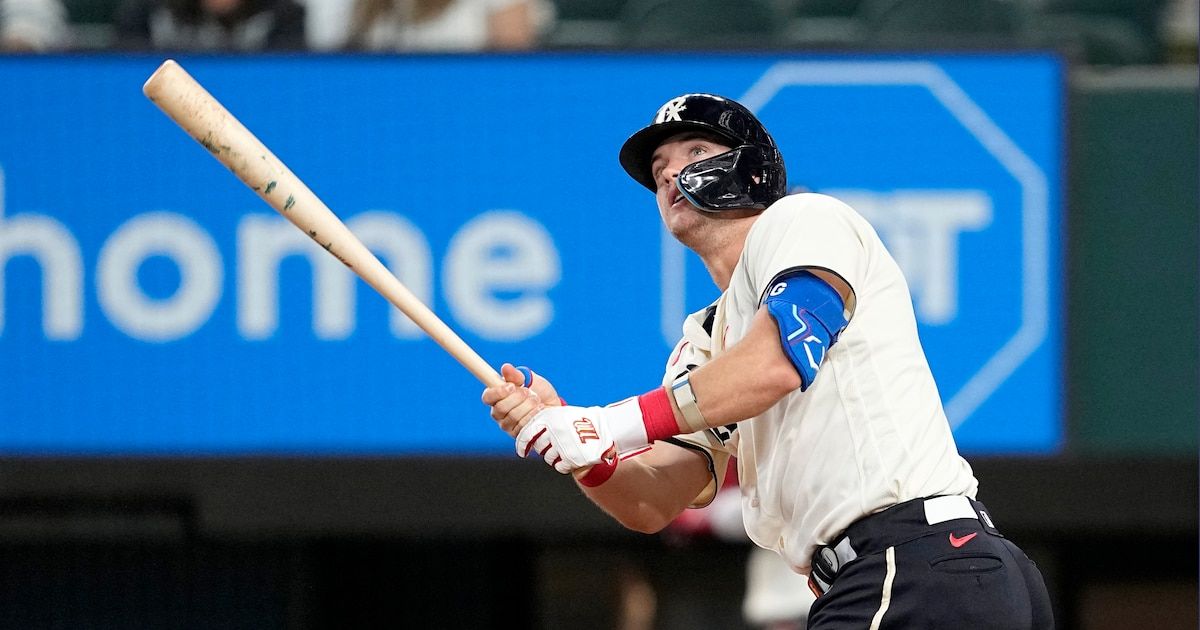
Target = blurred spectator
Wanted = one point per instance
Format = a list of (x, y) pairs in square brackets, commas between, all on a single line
[(433, 25), (776, 597), (32, 25), (1180, 29), (211, 25)]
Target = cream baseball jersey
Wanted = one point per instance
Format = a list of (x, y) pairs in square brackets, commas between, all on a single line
[(870, 431)]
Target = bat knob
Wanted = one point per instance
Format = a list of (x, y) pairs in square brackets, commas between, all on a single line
[(528, 375)]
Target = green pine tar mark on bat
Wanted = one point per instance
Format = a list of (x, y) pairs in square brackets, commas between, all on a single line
[(215, 149), (270, 186), (207, 143), (329, 248), (291, 201)]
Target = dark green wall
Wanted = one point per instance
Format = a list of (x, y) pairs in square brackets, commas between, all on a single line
[(1132, 232)]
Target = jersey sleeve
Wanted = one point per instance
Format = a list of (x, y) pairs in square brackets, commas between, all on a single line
[(717, 455), (805, 231), (716, 445)]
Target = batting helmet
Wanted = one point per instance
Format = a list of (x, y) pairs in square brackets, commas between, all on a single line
[(750, 175)]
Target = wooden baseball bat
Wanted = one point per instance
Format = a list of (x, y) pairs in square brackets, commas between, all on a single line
[(186, 102)]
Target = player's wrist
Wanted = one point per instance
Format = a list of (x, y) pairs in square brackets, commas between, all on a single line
[(658, 416), (636, 422), (597, 474), (626, 425)]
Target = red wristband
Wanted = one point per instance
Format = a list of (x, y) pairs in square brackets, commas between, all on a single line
[(658, 415), (601, 472)]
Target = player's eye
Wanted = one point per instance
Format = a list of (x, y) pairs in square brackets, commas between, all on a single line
[(699, 149)]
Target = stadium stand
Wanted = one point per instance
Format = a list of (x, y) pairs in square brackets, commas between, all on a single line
[(585, 24), (700, 24), (92, 23)]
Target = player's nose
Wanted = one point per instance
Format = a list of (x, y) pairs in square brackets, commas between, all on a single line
[(668, 175)]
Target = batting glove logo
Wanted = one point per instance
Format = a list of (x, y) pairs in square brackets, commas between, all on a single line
[(586, 430)]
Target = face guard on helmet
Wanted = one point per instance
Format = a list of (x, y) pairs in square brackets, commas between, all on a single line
[(750, 175)]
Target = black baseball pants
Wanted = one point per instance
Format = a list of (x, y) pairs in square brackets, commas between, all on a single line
[(956, 575)]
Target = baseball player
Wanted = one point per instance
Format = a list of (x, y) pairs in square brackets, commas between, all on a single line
[(807, 368)]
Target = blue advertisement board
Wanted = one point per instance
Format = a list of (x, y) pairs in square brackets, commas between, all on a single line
[(152, 304)]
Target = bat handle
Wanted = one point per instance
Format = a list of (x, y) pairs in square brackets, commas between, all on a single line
[(477, 366), (395, 292)]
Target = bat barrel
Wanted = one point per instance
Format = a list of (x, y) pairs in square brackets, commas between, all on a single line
[(187, 103)]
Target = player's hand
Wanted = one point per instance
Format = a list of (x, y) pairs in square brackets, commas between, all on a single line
[(569, 438), (522, 395), (534, 381)]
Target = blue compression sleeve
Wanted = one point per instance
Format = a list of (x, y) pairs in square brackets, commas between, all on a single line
[(810, 315)]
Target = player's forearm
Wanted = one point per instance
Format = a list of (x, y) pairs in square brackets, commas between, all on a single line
[(746, 380), (648, 491)]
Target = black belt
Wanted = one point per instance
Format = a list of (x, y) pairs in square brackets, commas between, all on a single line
[(894, 526)]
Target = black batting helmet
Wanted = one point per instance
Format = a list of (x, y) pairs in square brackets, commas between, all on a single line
[(750, 175)]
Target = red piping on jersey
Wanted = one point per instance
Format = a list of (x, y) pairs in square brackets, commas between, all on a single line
[(680, 353)]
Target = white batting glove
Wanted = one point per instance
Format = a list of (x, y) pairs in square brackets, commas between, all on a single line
[(569, 438)]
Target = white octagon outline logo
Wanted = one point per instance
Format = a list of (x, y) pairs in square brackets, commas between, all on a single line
[(1035, 262)]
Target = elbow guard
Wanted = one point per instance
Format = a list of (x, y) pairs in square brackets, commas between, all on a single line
[(810, 316)]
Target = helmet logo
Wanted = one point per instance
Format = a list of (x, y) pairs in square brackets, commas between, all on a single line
[(670, 111)]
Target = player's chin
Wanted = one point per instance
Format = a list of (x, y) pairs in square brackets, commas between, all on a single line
[(684, 228), (670, 218)]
